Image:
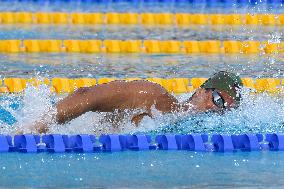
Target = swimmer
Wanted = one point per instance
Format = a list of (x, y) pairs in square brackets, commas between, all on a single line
[(218, 93)]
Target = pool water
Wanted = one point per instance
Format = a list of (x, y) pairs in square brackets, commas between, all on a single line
[(154, 6), (258, 113), (143, 169)]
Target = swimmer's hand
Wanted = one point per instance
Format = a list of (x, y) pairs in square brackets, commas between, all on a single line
[(41, 127), (37, 127)]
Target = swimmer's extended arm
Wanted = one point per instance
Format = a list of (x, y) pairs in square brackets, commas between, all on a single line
[(83, 100), (136, 119)]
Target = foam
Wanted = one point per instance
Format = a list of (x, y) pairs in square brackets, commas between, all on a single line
[(257, 113)]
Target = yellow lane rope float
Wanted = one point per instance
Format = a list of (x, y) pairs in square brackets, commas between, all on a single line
[(141, 46), (174, 85), (140, 18)]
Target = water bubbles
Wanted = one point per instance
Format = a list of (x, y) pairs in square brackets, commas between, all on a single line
[(274, 37), (258, 113), (78, 179), (197, 166)]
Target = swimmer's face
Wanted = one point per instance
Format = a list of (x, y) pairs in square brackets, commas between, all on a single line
[(205, 100)]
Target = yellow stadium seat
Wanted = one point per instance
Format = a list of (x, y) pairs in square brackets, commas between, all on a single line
[(148, 18), (11, 46), (61, 85), (183, 19), (232, 46), (270, 85), (152, 46), (180, 85), (170, 46), (197, 82), (90, 46), (113, 46), (250, 47), (15, 85), (165, 18), (201, 19), (43, 18), (113, 18), (271, 48), (72, 45), (248, 82), (24, 17), (106, 80), (191, 46), (8, 17), (59, 18), (129, 18), (234, 19), (131, 46), (210, 46)]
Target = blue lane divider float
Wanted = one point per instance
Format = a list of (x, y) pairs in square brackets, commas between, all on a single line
[(57, 143), (209, 2)]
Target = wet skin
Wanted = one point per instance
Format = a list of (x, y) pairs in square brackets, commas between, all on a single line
[(123, 95)]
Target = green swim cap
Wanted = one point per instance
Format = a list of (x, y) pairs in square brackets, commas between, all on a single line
[(225, 81)]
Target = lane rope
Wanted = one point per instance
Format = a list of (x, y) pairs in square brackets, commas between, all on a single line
[(193, 2), (173, 85), (112, 142), (140, 46)]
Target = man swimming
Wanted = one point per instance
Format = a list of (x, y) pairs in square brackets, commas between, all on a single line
[(218, 93)]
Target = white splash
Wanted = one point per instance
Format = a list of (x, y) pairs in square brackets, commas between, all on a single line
[(257, 113)]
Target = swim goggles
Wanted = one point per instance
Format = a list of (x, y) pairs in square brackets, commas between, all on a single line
[(217, 99)]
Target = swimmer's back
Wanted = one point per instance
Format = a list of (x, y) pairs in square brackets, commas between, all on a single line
[(132, 95)]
